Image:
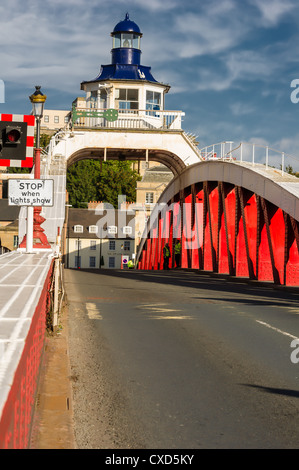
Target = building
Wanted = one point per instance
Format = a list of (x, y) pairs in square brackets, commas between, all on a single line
[(125, 84), (99, 238), (53, 120), (9, 226)]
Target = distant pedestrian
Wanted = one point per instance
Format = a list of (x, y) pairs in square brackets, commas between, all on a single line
[(177, 253), (166, 256)]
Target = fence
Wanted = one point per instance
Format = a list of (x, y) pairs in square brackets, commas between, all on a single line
[(251, 153), (126, 119)]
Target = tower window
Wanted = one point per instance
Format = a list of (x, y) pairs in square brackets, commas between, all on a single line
[(126, 40), (153, 100), (126, 98)]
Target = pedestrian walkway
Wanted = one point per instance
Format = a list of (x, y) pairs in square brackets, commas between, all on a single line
[(53, 418)]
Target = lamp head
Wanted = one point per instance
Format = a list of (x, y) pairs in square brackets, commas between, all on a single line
[(38, 100)]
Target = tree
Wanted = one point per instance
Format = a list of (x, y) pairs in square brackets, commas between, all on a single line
[(92, 180)]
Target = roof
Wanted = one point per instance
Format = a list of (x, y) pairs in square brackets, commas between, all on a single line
[(124, 72), (157, 174), (126, 26), (88, 217)]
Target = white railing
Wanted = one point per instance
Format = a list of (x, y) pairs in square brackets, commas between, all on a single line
[(251, 153), (132, 119)]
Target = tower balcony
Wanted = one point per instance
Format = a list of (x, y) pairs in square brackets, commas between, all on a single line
[(96, 118)]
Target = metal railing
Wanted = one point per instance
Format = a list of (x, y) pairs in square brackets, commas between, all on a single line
[(250, 152), (127, 119)]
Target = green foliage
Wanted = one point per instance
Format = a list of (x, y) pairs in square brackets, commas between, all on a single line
[(92, 180), (289, 169), (12, 169), (44, 140)]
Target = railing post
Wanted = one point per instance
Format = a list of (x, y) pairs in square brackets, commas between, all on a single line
[(253, 149), (267, 157), (29, 229), (282, 163), (241, 155)]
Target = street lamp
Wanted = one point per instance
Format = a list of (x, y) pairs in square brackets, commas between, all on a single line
[(38, 101), (36, 238)]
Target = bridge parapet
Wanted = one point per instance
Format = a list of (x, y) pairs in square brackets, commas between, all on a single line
[(24, 292), (232, 218)]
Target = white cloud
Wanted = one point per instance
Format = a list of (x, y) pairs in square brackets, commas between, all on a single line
[(241, 109), (272, 11), (217, 28)]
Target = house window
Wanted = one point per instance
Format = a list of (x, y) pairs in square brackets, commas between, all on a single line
[(77, 261), (66, 119), (92, 261), (93, 244), (127, 245), (153, 100), (149, 198), (56, 119), (127, 230), (112, 230), (126, 98), (93, 229), (46, 118), (112, 245), (111, 262), (78, 228)]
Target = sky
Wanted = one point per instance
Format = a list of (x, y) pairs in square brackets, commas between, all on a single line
[(231, 64)]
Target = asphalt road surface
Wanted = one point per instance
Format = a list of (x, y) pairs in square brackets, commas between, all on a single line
[(179, 360)]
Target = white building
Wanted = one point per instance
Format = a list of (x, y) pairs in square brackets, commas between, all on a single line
[(98, 238)]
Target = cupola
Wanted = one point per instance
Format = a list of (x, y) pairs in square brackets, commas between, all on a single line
[(126, 42), (126, 53)]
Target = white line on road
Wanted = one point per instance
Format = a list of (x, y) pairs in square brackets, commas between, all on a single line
[(277, 329)]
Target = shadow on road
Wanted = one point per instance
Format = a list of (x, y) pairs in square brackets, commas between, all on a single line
[(263, 294), (277, 391)]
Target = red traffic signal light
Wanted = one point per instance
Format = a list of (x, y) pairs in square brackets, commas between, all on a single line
[(13, 134), (13, 140)]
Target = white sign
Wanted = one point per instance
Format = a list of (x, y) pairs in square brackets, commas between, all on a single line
[(124, 261), (30, 192)]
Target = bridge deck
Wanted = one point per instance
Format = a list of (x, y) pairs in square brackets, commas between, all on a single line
[(22, 277)]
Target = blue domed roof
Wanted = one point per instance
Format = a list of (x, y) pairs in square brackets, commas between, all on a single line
[(127, 26)]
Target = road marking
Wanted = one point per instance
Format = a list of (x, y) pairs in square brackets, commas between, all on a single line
[(162, 317), (93, 312), (277, 329), (158, 308)]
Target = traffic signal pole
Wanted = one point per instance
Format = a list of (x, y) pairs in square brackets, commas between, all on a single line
[(33, 212)]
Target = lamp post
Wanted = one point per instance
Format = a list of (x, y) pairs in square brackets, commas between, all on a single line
[(35, 238), (38, 101)]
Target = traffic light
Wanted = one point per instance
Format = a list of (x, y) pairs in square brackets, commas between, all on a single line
[(13, 138)]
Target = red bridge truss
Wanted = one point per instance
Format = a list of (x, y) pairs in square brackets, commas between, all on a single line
[(231, 218)]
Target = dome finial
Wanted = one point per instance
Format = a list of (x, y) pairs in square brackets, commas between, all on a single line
[(127, 16)]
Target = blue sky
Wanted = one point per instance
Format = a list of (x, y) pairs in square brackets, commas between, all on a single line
[(230, 63)]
